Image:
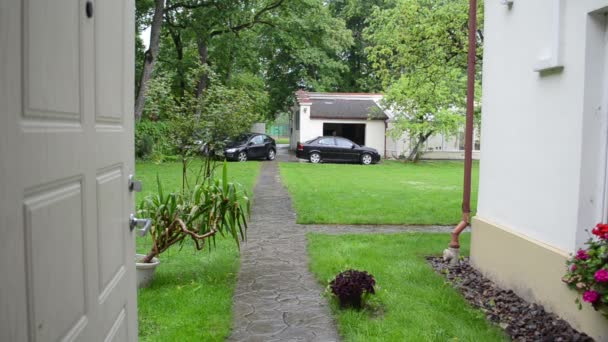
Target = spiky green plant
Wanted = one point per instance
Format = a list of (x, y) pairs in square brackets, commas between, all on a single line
[(210, 207)]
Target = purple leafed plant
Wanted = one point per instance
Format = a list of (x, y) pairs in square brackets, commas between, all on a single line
[(350, 286)]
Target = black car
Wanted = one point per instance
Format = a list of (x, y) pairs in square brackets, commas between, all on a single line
[(251, 146), (336, 149)]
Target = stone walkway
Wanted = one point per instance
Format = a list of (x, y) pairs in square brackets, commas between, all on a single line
[(277, 298)]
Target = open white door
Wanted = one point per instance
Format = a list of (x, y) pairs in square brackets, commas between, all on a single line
[(66, 151)]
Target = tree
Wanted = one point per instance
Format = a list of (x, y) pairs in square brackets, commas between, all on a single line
[(270, 48), (419, 51), (150, 57), (359, 77), (304, 49)]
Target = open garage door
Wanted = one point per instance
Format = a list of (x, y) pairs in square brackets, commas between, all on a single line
[(354, 132)]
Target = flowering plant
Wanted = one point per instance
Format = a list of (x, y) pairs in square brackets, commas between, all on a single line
[(350, 286), (588, 270)]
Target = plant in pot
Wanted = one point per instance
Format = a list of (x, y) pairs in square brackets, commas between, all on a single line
[(210, 207), (351, 287)]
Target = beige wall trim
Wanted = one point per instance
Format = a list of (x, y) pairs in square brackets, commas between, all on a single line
[(533, 270)]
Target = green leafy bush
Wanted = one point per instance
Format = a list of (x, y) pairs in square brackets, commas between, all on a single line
[(153, 140)]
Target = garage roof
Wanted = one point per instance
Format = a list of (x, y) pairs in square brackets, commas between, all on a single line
[(345, 108)]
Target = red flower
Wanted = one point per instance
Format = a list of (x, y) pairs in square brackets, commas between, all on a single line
[(591, 296), (601, 276), (582, 254), (601, 231)]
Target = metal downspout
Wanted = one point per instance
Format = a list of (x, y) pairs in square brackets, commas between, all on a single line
[(452, 253)]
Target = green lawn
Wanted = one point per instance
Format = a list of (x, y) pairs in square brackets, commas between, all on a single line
[(190, 298), (283, 140), (428, 192), (413, 303), (171, 175)]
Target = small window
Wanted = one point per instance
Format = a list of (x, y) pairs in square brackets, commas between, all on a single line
[(266, 139), (326, 141), (344, 143)]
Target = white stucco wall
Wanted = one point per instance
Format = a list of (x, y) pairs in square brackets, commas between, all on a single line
[(543, 160)]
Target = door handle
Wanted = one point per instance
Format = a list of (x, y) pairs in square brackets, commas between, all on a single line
[(134, 185), (89, 9), (137, 222)]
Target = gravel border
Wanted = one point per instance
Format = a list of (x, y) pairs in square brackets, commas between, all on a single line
[(521, 320)]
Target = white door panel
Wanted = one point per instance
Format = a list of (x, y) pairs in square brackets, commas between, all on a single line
[(52, 58), (66, 151)]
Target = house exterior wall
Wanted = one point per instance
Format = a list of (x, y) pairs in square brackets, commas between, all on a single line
[(543, 165)]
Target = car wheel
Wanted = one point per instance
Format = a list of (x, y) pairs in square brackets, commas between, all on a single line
[(242, 156), (315, 158), (271, 154), (366, 159)]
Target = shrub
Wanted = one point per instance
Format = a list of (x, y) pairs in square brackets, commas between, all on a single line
[(350, 287), (153, 140), (588, 271)]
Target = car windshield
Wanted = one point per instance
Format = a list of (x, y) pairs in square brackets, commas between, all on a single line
[(243, 138)]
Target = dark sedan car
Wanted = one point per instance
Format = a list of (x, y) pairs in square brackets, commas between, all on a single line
[(336, 149), (251, 146)]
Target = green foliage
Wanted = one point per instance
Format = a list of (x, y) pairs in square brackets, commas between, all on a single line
[(152, 140), (359, 77), (419, 51), (209, 207), (392, 193), (305, 49), (228, 112), (160, 104), (264, 50), (223, 112), (412, 302)]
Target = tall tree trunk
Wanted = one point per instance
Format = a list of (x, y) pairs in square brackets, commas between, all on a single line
[(231, 63), (179, 50), (414, 153), (203, 53), (150, 57)]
